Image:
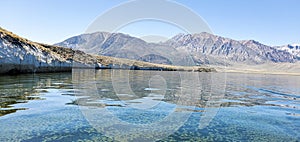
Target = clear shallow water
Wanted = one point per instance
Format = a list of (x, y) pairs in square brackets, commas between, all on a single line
[(145, 105)]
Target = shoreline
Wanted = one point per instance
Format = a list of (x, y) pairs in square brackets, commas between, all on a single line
[(113, 63), (255, 71), (52, 69)]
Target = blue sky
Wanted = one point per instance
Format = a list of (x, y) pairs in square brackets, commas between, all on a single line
[(272, 22)]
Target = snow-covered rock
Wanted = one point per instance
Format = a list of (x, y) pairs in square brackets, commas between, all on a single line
[(293, 49)]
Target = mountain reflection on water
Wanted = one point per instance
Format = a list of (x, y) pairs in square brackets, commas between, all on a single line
[(85, 104)]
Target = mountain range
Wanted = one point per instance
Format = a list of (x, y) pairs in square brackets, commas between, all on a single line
[(20, 55), (184, 49)]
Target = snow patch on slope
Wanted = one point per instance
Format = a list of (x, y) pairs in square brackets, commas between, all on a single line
[(293, 49)]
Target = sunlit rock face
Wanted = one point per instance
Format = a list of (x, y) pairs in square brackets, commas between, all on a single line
[(20, 55)]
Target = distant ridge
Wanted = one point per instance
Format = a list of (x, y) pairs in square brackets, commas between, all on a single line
[(204, 48)]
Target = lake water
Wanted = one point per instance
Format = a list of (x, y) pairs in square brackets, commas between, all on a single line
[(122, 105)]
